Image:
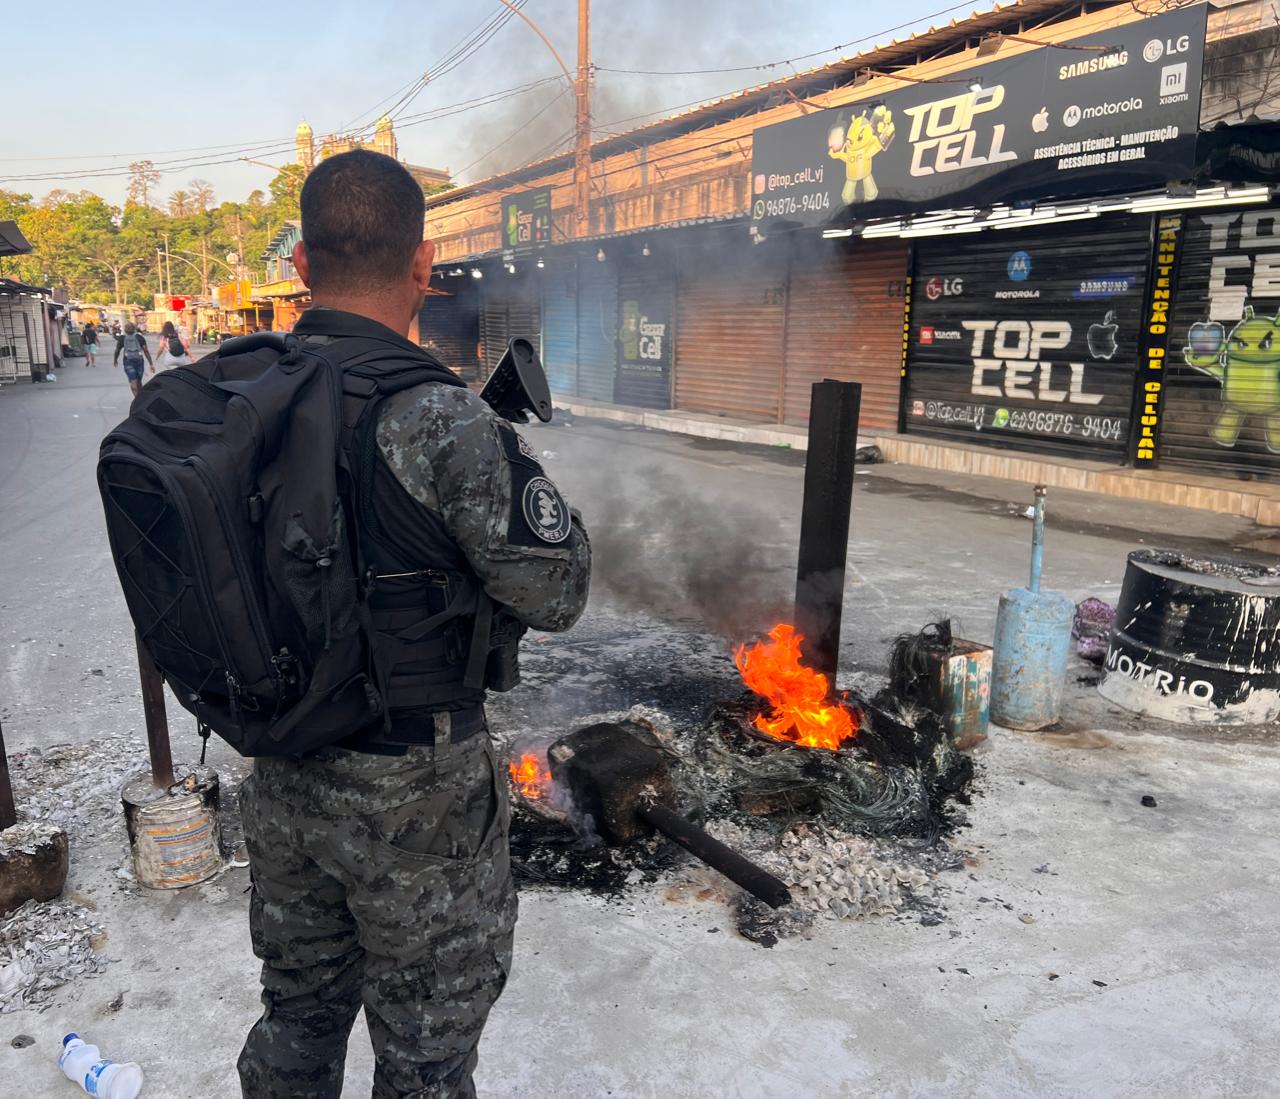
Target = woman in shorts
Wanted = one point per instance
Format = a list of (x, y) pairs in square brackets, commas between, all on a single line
[(133, 346)]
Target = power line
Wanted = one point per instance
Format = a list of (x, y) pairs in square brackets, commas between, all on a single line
[(457, 56), (537, 114), (167, 167), (407, 92)]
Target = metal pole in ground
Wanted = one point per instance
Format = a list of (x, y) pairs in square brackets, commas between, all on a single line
[(157, 719), (8, 813), (824, 520)]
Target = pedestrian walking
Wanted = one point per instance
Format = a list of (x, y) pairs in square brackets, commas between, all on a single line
[(380, 866), (89, 337), (132, 344), (174, 351)]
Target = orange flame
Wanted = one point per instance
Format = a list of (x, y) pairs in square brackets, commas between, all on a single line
[(530, 777), (797, 696)]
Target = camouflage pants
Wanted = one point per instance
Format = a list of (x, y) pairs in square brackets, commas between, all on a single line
[(383, 881)]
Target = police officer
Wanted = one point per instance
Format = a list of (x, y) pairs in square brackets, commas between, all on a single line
[(380, 868)]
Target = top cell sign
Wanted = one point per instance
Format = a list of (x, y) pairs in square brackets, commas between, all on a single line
[(1113, 111)]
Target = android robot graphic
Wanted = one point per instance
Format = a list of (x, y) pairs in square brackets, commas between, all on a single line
[(1247, 363), (857, 147)]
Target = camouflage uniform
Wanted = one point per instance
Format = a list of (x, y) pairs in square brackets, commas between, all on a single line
[(384, 880)]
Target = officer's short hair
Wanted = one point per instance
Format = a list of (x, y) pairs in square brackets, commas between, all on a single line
[(362, 218)]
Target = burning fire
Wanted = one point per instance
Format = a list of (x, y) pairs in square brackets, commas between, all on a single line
[(530, 777), (797, 696)]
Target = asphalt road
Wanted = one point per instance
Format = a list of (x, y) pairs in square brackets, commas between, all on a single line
[(688, 531), (1143, 966)]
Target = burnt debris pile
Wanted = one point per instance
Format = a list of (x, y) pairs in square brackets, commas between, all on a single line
[(852, 832)]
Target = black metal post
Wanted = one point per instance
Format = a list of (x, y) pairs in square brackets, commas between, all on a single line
[(8, 813), (824, 520), (157, 719)]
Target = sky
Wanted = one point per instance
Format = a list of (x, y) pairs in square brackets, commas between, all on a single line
[(196, 88)]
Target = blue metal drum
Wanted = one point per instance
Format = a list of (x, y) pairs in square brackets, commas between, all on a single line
[(1029, 662), (1032, 644)]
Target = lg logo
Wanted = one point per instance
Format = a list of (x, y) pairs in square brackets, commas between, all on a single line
[(1158, 48), (937, 287)]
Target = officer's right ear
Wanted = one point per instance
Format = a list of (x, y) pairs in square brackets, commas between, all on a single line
[(300, 264), (423, 258)]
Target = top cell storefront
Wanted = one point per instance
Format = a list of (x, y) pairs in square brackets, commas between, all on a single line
[(1029, 339)]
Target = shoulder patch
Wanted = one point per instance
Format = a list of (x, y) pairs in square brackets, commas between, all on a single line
[(539, 514), (545, 510)]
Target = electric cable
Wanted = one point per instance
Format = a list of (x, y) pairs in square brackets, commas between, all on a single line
[(537, 114), (186, 164)]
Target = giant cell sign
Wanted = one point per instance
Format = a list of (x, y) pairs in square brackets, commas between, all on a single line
[(1109, 112), (526, 220)]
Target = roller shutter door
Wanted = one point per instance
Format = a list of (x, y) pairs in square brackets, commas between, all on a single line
[(730, 307), (1222, 409), (12, 358), (645, 327), (509, 307), (560, 325), (1029, 340), (449, 327), (844, 321), (597, 328)]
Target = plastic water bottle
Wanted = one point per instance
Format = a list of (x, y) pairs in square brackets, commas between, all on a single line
[(106, 1079)]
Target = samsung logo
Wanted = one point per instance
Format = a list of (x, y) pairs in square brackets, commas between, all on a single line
[(1102, 63)]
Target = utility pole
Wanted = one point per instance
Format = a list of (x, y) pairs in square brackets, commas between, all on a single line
[(582, 130), (582, 144), (168, 269)]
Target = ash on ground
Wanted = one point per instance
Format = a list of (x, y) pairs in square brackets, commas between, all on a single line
[(77, 787), (44, 946), (856, 833)]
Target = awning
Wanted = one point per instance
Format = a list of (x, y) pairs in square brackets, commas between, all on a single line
[(12, 242), (13, 286), (1247, 152)]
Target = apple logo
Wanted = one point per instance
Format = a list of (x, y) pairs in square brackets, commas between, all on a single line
[(1206, 337), (1102, 337), (1040, 121)]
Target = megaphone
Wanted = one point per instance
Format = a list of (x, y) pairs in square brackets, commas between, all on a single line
[(518, 385)]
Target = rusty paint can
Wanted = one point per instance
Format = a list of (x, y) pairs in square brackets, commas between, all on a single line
[(949, 677), (173, 831)]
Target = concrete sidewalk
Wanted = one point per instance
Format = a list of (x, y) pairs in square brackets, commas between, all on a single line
[(1256, 500)]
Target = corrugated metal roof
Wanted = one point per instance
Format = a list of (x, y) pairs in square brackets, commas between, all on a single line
[(929, 44)]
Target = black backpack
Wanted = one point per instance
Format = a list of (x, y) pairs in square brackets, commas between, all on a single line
[(175, 347), (229, 500)]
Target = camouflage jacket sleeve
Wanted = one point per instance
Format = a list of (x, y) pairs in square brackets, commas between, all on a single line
[(458, 458)]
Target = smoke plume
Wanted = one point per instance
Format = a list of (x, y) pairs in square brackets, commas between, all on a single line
[(668, 548), (660, 35)]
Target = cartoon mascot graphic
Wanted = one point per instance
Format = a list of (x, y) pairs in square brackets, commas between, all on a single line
[(1247, 363), (857, 146)]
